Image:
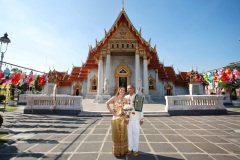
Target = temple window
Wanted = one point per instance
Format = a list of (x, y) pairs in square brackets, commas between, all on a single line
[(122, 45), (93, 84), (112, 45), (127, 45), (151, 83), (168, 90), (132, 45), (117, 46)]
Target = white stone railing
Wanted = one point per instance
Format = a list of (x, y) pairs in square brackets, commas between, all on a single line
[(46, 102), (194, 102), (23, 98)]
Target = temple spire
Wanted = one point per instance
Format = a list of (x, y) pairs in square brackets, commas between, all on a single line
[(122, 5)]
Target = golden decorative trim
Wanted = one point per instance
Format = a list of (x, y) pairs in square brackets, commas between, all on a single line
[(93, 84), (168, 90), (122, 71), (76, 87), (151, 84)]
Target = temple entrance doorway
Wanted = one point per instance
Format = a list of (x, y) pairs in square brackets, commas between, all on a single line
[(123, 82), (77, 92), (122, 76), (77, 89)]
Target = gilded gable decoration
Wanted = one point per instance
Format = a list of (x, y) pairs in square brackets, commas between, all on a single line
[(122, 69), (123, 32)]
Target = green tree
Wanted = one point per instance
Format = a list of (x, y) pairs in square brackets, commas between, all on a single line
[(23, 88), (234, 65), (231, 87), (15, 70), (37, 87)]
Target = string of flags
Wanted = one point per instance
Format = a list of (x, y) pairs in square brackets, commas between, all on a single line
[(227, 75), (20, 78)]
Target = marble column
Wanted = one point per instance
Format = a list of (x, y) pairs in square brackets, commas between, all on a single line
[(100, 76), (137, 69), (145, 76), (71, 90), (88, 81), (108, 71), (156, 78)]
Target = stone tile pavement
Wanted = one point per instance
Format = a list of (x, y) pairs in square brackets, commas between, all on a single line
[(50, 137)]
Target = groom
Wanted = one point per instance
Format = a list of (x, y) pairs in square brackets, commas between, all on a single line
[(134, 122)]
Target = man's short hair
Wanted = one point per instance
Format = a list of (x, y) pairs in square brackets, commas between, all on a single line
[(131, 86)]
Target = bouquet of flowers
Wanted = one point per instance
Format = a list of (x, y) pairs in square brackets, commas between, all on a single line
[(127, 108)]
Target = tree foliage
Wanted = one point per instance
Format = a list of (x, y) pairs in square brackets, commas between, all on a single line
[(231, 87)]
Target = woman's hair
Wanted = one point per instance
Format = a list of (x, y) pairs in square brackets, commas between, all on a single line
[(117, 93)]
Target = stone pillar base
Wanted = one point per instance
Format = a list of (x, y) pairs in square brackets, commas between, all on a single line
[(147, 99)]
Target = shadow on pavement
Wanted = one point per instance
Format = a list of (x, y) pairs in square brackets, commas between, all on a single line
[(149, 156), (9, 152), (233, 112), (65, 149)]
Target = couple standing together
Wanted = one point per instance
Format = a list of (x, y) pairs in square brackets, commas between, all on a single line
[(125, 123)]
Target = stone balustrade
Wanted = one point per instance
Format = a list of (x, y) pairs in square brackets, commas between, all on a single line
[(22, 99), (46, 104), (195, 105)]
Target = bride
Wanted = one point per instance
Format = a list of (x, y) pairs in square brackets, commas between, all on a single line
[(119, 127)]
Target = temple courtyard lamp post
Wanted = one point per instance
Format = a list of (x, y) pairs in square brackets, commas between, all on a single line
[(3, 48)]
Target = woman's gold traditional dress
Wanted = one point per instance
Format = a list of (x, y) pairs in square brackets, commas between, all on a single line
[(119, 132)]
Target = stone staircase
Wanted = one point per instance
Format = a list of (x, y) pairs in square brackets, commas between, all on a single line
[(156, 98), (107, 114), (91, 95)]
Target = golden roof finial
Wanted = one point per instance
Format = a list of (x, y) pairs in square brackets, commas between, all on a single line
[(105, 31), (140, 31), (122, 5)]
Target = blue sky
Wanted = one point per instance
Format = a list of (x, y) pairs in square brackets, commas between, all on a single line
[(202, 34)]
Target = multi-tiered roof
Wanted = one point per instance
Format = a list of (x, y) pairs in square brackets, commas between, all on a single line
[(166, 73)]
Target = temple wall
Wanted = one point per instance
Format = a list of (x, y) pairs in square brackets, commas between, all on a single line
[(160, 88), (181, 90), (64, 90), (84, 87)]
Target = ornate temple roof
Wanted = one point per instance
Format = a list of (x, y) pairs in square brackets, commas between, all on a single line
[(81, 73), (182, 79), (171, 76)]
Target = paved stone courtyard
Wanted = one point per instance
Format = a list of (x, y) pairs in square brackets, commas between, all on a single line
[(50, 137)]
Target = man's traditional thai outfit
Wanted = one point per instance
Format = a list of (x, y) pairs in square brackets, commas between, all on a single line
[(134, 121)]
